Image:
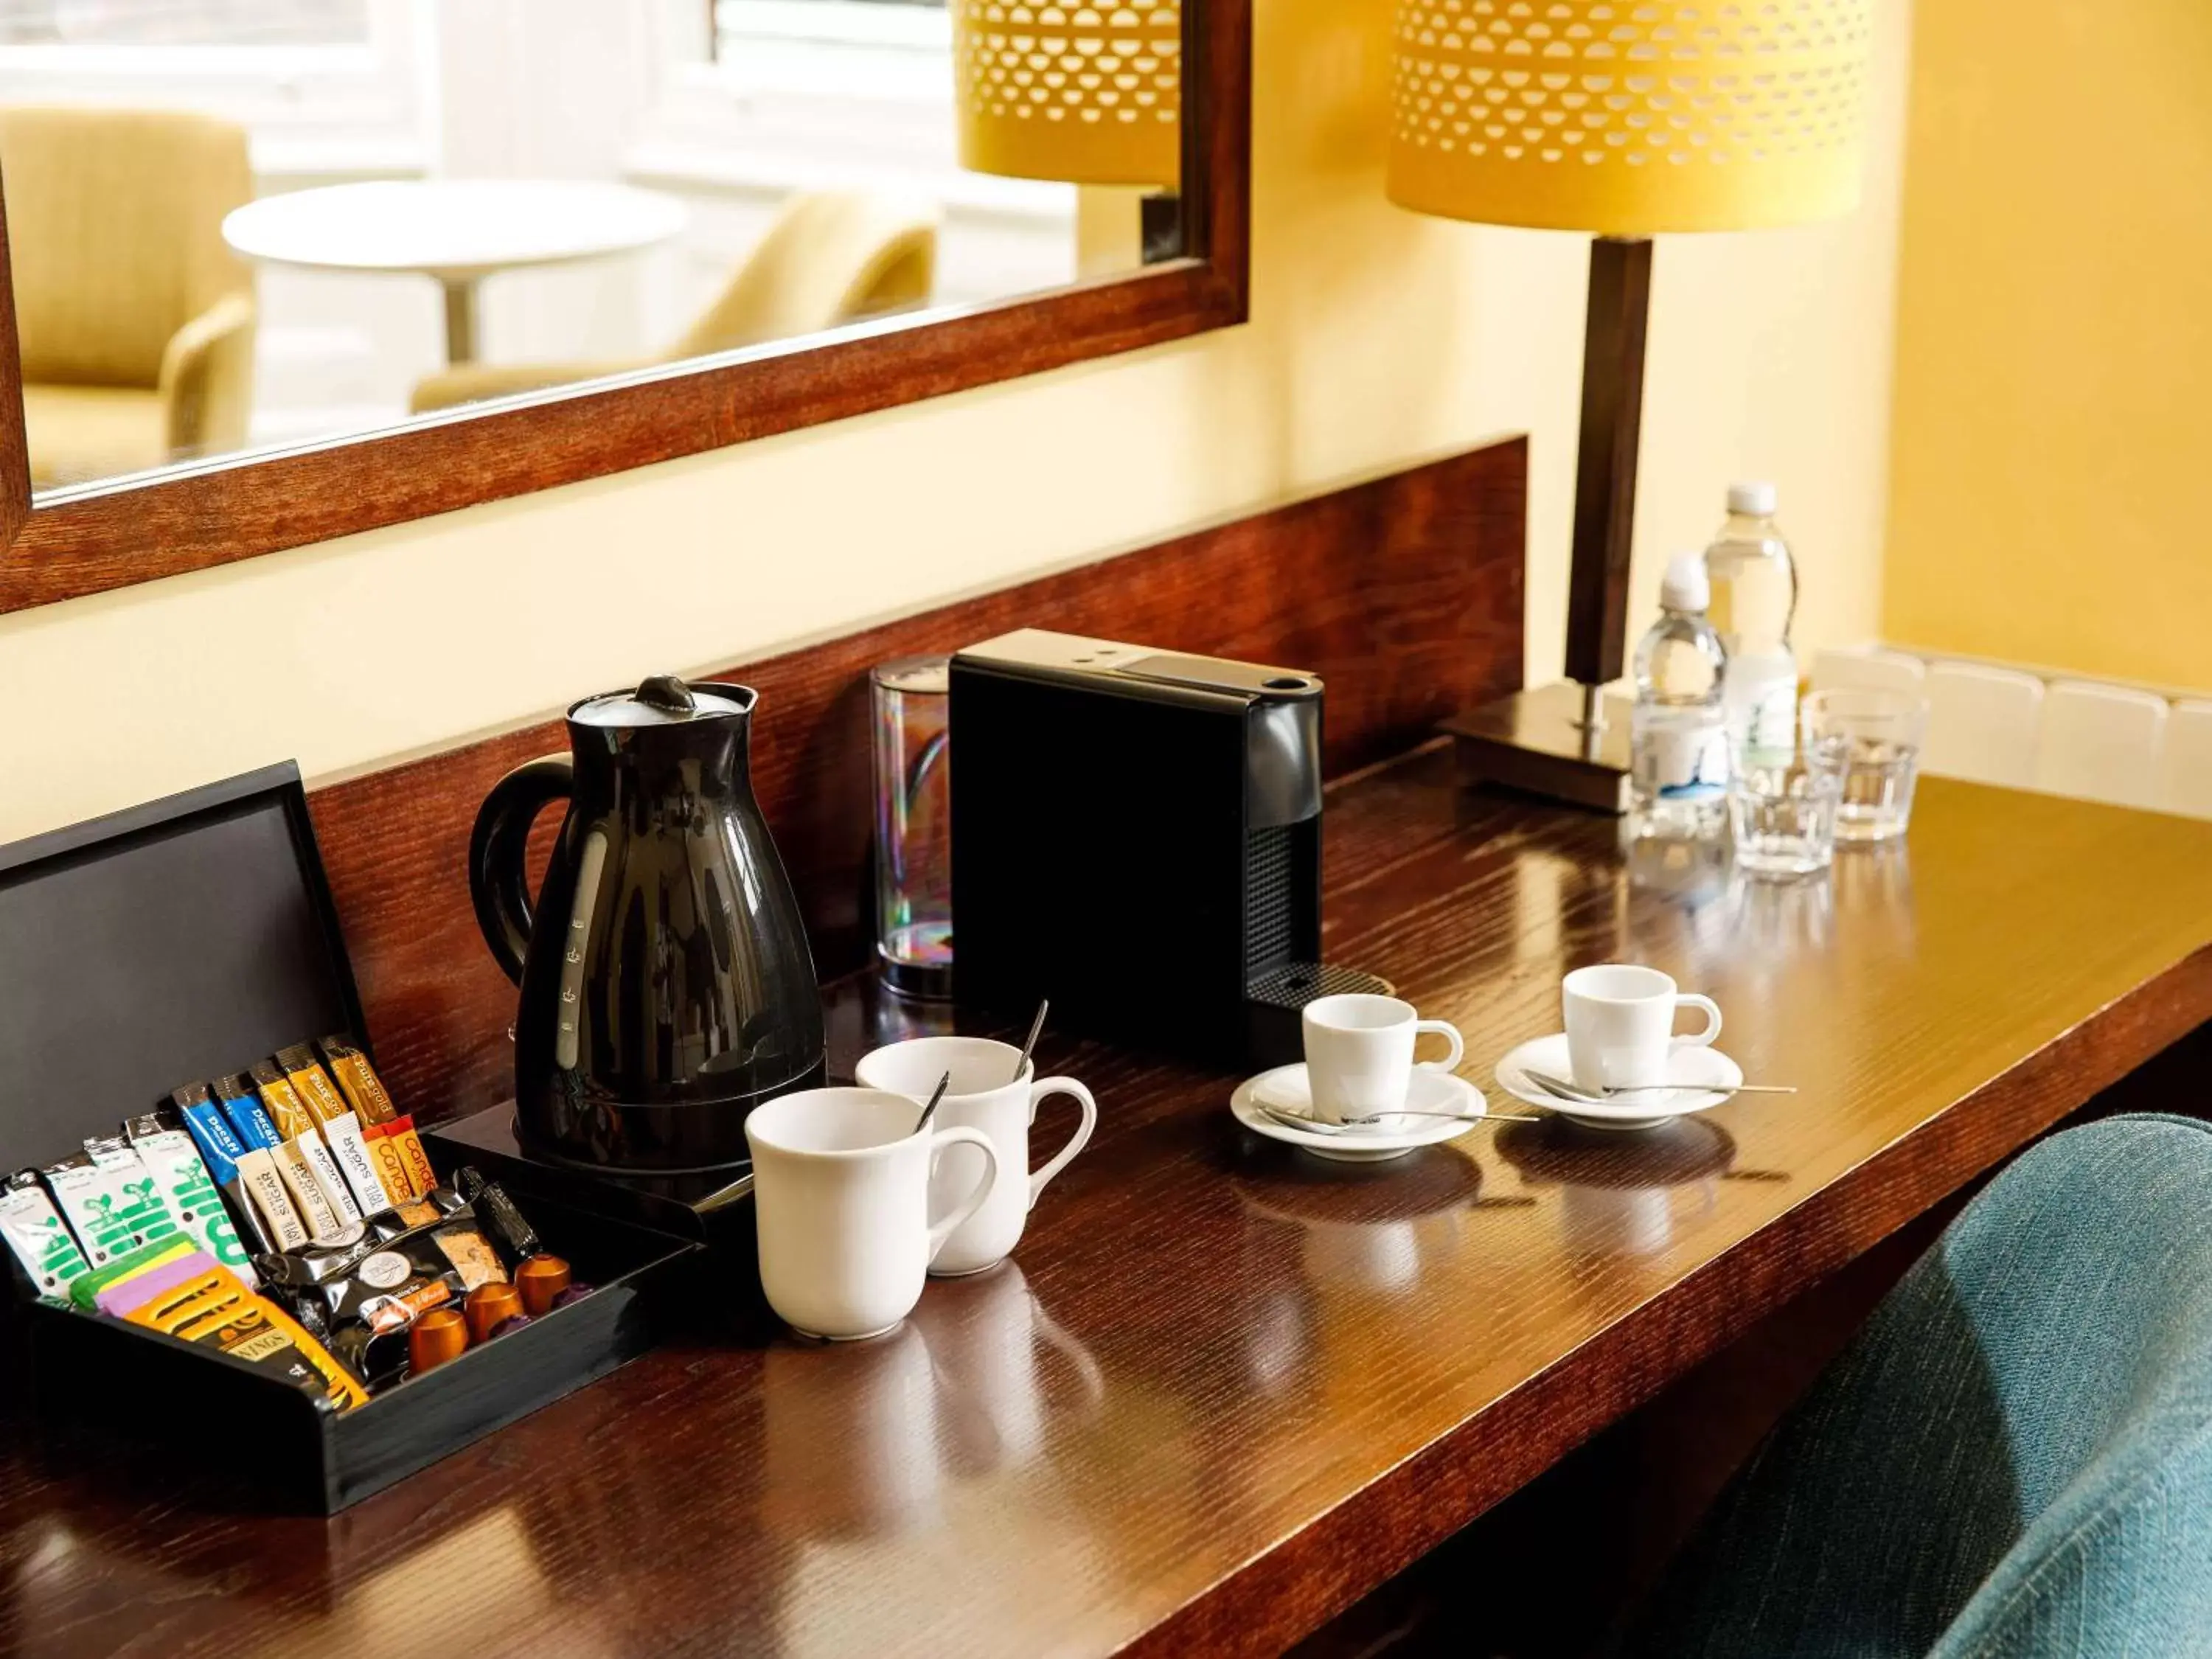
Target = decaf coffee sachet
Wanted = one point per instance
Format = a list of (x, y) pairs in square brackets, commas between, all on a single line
[(284, 1214)]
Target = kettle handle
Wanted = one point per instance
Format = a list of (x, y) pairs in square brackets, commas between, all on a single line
[(498, 850)]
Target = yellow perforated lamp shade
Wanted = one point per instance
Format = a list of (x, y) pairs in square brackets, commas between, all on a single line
[(1086, 94), (1627, 119)]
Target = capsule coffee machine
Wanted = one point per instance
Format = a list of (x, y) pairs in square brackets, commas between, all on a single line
[(1136, 834)]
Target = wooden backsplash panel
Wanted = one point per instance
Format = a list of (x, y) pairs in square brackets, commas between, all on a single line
[(1403, 592)]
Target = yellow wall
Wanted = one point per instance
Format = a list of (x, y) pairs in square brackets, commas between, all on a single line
[(1379, 336), (2052, 502)]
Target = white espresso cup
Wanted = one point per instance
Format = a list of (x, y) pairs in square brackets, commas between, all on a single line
[(1621, 1025), (991, 1092), (1359, 1053), (841, 1197)]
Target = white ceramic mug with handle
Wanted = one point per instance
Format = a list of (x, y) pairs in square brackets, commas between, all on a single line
[(1359, 1053), (992, 1090), (1621, 1025), (841, 1184)]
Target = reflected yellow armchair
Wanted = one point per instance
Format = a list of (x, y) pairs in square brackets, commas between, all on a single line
[(830, 257), (135, 319)]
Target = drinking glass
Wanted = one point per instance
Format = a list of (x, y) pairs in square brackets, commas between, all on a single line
[(1782, 807), (914, 825), (1881, 732)]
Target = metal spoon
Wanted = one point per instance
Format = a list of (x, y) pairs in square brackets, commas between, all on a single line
[(936, 1095), (1606, 1096), (1300, 1121), (1036, 1026)]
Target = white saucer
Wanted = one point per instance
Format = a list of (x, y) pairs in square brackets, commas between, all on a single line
[(1703, 1078), (1394, 1137)]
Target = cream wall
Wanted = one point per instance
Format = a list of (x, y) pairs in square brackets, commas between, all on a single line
[(1377, 337), (2052, 502)]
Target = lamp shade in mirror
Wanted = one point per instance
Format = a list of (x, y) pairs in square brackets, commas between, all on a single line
[(1081, 93), (1628, 119)]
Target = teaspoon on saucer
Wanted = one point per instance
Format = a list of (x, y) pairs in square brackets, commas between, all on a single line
[(1301, 1120), (1599, 1097)]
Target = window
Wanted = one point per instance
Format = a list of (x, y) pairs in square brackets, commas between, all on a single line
[(184, 22), (737, 24)]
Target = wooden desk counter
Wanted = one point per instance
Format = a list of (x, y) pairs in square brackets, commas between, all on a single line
[(1226, 1392)]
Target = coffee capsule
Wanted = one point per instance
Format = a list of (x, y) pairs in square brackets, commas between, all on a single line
[(540, 1280), (490, 1306), (438, 1336)]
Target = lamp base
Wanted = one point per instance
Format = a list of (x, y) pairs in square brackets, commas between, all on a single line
[(1535, 741)]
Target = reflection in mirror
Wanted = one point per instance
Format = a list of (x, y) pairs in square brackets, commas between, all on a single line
[(242, 226)]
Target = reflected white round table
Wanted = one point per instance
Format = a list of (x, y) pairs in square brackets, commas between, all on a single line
[(457, 230)]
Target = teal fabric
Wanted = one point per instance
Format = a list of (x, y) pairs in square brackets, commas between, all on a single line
[(2014, 1457)]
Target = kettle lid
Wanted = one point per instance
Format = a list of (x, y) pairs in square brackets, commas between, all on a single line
[(663, 700)]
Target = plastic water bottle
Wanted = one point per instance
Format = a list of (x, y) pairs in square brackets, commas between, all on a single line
[(1678, 738), (1755, 583)]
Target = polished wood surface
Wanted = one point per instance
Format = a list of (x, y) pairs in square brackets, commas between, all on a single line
[(1224, 1391), (110, 535), (1403, 592)]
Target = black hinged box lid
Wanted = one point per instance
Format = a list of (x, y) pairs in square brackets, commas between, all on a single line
[(161, 946), (170, 944)]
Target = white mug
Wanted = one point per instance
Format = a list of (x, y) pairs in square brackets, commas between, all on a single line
[(1621, 1025), (841, 1197), (1359, 1053), (991, 1092)]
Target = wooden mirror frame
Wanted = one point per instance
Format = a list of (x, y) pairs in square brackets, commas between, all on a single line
[(90, 538)]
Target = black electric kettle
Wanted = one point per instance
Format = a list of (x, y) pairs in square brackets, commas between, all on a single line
[(668, 987)]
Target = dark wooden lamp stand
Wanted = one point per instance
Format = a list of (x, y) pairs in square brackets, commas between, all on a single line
[(1566, 741)]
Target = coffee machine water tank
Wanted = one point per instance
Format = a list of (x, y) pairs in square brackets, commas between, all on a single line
[(1136, 834)]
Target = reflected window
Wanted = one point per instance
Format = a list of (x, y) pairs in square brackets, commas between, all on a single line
[(242, 226), (732, 22), (183, 22)]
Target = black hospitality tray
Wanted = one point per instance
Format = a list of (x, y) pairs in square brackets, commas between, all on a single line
[(188, 938), (280, 1444)]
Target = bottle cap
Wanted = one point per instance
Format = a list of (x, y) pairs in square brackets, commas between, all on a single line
[(1686, 587), (1756, 500), (490, 1306), (439, 1336), (540, 1280)]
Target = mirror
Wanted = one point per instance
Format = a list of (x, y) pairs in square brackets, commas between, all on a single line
[(241, 228)]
